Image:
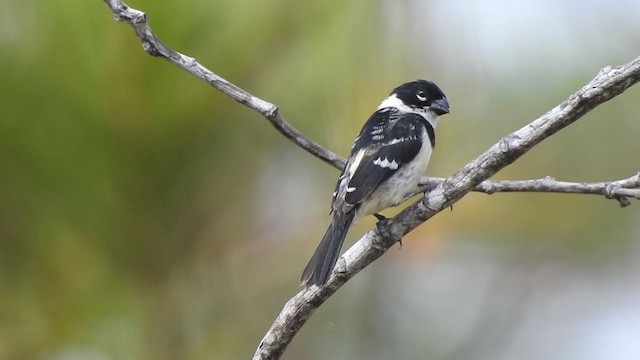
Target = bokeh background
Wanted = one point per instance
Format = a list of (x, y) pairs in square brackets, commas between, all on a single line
[(144, 215)]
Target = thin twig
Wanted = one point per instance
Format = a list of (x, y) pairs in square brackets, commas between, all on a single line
[(154, 46), (619, 190)]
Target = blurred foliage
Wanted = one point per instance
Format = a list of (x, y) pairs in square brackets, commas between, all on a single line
[(144, 215)]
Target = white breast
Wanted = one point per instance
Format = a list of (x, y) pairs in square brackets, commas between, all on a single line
[(402, 183)]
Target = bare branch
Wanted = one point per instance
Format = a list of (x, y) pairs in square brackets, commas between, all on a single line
[(619, 189), (609, 83), (154, 46)]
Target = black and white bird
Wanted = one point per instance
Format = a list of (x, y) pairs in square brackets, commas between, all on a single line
[(387, 160)]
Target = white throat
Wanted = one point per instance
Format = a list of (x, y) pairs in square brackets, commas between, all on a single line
[(393, 101)]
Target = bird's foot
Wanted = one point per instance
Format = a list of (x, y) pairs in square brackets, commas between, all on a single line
[(383, 227)]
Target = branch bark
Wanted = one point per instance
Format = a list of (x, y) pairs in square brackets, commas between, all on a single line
[(443, 193), (155, 47), (619, 190), (609, 83)]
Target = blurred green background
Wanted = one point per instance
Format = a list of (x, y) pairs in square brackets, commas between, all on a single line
[(144, 215)]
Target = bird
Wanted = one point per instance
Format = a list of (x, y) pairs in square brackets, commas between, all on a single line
[(384, 167)]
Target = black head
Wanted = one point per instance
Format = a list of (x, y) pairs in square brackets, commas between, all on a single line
[(423, 94)]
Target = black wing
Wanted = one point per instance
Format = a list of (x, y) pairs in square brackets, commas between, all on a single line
[(386, 142)]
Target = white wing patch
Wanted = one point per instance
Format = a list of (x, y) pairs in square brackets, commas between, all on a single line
[(385, 163), (399, 140), (377, 131), (355, 163), (354, 142)]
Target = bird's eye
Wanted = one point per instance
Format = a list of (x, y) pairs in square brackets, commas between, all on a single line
[(422, 96)]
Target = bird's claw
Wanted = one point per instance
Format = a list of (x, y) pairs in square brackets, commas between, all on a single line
[(380, 217), (383, 225)]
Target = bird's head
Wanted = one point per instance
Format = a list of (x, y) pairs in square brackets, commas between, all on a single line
[(420, 96)]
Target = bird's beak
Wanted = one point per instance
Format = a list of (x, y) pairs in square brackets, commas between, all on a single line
[(440, 106)]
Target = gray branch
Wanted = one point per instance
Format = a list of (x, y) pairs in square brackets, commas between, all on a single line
[(155, 47), (620, 190), (609, 83), (442, 193)]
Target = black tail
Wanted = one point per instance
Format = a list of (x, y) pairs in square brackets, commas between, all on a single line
[(324, 259)]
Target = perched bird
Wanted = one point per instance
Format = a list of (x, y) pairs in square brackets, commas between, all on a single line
[(387, 160)]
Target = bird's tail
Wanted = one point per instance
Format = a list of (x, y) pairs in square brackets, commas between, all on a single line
[(324, 259)]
